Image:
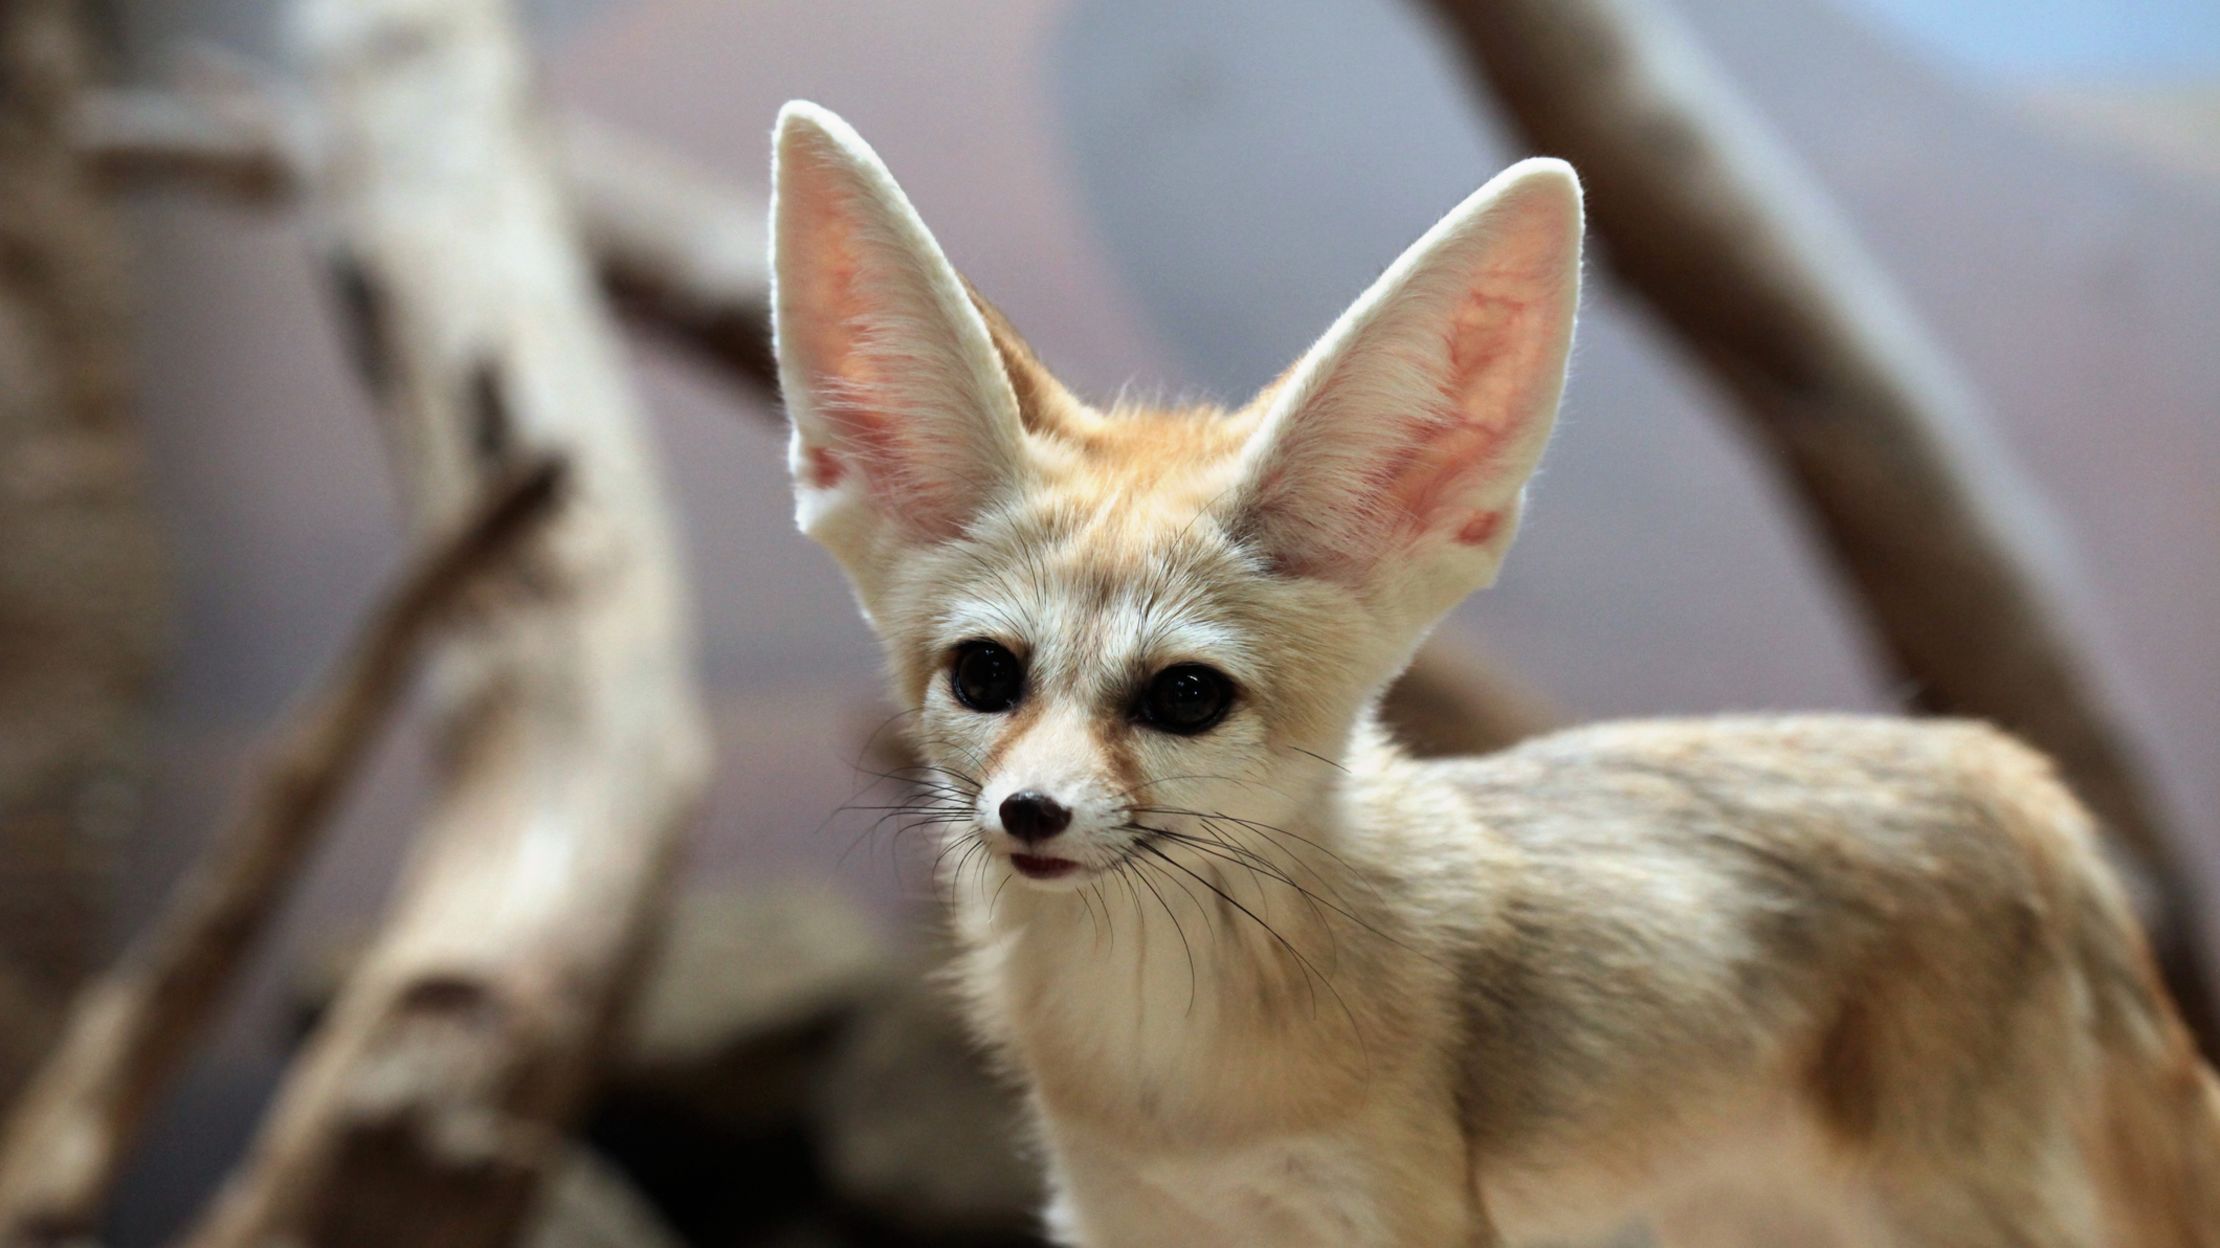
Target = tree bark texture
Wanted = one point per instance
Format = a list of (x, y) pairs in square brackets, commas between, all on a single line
[(83, 605), (571, 744)]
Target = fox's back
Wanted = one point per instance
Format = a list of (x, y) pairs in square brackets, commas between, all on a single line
[(1683, 923)]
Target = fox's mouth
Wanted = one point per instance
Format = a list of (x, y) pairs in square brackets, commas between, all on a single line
[(1042, 867)]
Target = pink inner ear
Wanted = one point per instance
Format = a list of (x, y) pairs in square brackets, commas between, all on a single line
[(1430, 481), (842, 296), (1486, 396), (1481, 528), (1420, 425), (1492, 343), (823, 469)]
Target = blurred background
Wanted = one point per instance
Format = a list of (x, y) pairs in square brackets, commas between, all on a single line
[(1176, 196)]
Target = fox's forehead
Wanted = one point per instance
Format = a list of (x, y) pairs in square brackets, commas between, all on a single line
[(1115, 562), (1160, 458), (1105, 592)]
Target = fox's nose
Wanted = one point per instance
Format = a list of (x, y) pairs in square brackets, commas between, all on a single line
[(1034, 816)]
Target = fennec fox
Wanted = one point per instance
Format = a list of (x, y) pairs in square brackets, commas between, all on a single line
[(1271, 982)]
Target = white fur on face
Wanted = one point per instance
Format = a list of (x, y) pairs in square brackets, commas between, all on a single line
[(1091, 639)]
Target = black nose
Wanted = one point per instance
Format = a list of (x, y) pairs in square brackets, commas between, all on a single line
[(1031, 816)]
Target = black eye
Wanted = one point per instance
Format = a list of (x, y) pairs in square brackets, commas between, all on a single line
[(1186, 699), (986, 676)]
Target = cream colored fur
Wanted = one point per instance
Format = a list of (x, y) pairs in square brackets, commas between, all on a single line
[(1302, 990)]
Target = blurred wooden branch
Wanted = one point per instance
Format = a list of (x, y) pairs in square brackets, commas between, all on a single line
[(84, 611), (1454, 701), (572, 748), (131, 1030), (1705, 216), (229, 140), (682, 254)]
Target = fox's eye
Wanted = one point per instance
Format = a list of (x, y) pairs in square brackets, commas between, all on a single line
[(1187, 698), (986, 676)]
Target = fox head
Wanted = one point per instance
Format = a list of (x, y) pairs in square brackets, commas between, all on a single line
[(1110, 624)]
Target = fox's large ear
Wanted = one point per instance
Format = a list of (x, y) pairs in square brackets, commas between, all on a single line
[(1394, 456), (905, 423)]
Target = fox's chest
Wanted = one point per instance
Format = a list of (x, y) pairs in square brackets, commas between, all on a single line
[(1142, 1073), (1293, 1192), (1145, 1057), (1318, 1190)]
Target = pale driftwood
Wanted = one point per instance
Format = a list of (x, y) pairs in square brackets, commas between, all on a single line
[(572, 747), (680, 251), (1704, 215), (83, 585), (230, 141), (132, 1029)]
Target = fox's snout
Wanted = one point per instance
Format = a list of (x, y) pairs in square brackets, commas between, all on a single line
[(1033, 816), (1050, 790)]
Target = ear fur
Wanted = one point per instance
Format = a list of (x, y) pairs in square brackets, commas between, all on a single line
[(1394, 456), (905, 424)]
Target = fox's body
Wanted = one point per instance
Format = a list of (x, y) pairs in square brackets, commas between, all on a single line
[(1871, 967), (1271, 982)]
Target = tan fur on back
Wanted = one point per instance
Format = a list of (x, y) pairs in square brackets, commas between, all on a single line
[(1270, 981)]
